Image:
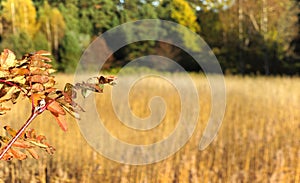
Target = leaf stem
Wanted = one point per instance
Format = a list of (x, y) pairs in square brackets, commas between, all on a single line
[(22, 129), (13, 84), (36, 110)]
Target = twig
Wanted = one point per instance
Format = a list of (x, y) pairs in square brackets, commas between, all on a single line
[(33, 115), (13, 84), (36, 110)]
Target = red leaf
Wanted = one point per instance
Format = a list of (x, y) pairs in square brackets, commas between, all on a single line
[(55, 107), (39, 79), (60, 119)]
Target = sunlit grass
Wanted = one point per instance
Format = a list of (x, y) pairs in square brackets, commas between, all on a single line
[(258, 142)]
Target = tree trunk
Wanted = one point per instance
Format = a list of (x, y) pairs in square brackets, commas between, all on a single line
[(264, 30), (13, 17), (49, 37), (1, 27), (241, 61)]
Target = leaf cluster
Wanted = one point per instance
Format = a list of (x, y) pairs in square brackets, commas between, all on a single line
[(31, 77), (29, 141)]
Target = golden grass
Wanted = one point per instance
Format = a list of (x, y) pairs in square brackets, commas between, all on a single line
[(258, 142)]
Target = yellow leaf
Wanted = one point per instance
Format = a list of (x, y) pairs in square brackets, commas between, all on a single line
[(7, 59), (8, 94), (50, 71), (38, 144), (18, 79), (42, 52), (4, 73), (71, 111), (10, 131)]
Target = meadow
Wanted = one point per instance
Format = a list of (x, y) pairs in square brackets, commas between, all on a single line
[(259, 140)]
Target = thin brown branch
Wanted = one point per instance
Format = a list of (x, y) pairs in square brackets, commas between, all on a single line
[(33, 115), (13, 84)]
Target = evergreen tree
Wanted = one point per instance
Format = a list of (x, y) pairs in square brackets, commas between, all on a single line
[(181, 12), (70, 52), (40, 41), (102, 15), (130, 11), (20, 42), (70, 12)]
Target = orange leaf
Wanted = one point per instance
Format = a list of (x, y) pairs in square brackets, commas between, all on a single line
[(42, 52), (21, 144), (39, 79), (50, 83), (30, 134), (36, 97), (3, 109), (20, 71), (39, 63), (10, 131), (60, 119), (38, 71), (50, 90), (33, 153), (55, 107), (40, 138), (50, 149), (37, 87), (7, 156), (18, 154)]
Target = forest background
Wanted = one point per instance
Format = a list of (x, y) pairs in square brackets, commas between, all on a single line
[(248, 37)]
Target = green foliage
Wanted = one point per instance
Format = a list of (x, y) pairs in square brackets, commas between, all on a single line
[(181, 12), (20, 41), (69, 11), (70, 52), (246, 37), (97, 16), (40, 41), (31, 77)]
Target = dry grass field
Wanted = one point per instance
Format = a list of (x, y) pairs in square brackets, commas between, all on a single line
[(259, 140)]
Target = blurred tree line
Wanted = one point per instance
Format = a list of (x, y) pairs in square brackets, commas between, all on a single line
[(247, 36)]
